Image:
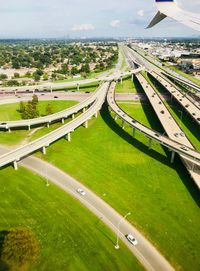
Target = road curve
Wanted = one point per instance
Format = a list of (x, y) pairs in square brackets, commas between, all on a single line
[(145, 252), (43, 142), (50, 118)]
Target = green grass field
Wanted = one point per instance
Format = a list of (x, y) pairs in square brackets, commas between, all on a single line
[(89, 76), (161, 197), (90, 87), (70, 237), (126, 87), (163, 200), (8, 112)]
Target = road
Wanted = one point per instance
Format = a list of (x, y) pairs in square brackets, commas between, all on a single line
[(169, 124), (191, 155), (106, 76), (167, 71), (174, 91), (96, 101), (145, 252), (8, 125)]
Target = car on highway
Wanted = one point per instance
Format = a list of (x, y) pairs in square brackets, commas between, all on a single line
[(176, 135), (157, 135), (184, 148), (55, 97), (131, 239), (81, 191), (162, 112), (3, 123)]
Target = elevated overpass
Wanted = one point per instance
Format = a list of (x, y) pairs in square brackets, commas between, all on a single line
[(183, 100), (66, 130), (168, 72), (170, 126), (62, 115), (190, 154)]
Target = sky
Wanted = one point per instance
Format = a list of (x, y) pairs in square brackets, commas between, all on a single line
[(88, 18)]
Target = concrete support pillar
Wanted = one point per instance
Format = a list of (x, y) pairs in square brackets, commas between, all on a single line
[(84, 110), (134, 132), (15, 165), (172, 157), (150, 142), (69, 137), (78, 87), (44, 150), (86, 124), (29, 127), (63, 121), (96, 115), (121, 79), (73, 116), (132, 76), (9, 130), (116, 117), (123, 123), (48, 125)]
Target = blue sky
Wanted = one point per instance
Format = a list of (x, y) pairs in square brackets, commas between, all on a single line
[(86, 18)]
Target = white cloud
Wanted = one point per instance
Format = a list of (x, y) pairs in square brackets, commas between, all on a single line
[(140, 13), (115, 23), (83, 27)]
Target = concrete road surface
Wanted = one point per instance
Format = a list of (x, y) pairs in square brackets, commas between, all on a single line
[(146, 253)]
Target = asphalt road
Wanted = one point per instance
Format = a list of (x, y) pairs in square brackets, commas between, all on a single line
[(145, 252)]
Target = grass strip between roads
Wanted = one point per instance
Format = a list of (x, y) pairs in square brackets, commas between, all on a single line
[(70, 237)]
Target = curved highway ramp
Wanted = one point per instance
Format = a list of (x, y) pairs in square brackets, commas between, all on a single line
[(67, 129)]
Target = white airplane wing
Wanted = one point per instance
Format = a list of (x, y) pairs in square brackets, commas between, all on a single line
[(169, 8)]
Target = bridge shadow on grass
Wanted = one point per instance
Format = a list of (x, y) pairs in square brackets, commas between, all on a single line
[(106, 116), (177, 165), (3, 266)]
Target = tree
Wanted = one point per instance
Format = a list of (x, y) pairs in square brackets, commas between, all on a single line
[(16, 75), (35, 99), (49, 109), (22, 107), (36, 77), (3, 76), (20, 249)]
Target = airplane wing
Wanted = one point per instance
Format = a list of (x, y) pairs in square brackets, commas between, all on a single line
[(169, 8)]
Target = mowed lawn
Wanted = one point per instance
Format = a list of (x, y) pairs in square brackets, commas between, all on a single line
[(70, 237), (127, 86), (161, 197), (9, 112)]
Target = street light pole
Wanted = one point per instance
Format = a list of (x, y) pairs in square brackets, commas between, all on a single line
[(118, 225)]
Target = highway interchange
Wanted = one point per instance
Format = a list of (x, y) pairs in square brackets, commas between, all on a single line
[(145, 252)]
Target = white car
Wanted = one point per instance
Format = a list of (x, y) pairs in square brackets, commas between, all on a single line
[(81, 191), (184, 148), (131, 239)]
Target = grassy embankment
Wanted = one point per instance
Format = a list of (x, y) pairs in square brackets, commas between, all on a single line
[(9, 112), (70, 237), (161, 197)]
